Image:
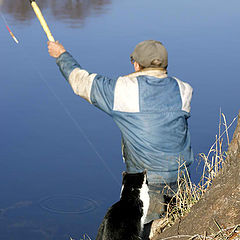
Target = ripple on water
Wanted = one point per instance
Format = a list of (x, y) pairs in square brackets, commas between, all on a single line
[(68, 204)]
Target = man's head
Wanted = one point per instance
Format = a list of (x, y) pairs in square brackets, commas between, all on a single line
[(149, 54)]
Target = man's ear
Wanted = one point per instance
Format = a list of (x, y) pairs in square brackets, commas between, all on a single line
[(137, 66)]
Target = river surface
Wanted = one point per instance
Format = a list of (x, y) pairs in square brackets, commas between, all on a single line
[(60, 158)]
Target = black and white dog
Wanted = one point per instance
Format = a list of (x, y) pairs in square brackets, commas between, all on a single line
[(125, 219)]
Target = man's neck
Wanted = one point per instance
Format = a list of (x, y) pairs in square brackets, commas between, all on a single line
[(154, 72)]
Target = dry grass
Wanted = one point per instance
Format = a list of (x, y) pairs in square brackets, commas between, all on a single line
[(189, 193), (85, 237), (223, 234)]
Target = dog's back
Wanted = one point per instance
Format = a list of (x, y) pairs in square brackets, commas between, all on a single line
[(124, 220)]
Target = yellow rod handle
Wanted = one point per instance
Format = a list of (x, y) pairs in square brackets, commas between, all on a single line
[(42, 21)]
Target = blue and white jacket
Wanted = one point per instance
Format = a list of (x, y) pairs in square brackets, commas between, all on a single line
[(151, 111)]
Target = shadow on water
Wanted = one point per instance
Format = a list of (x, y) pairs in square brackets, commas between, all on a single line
[(64, 10)]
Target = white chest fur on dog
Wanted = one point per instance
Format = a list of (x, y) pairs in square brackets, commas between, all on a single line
[(125, 219), (144, 196)]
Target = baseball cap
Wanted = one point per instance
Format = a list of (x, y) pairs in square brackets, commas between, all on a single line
[(147, 51)]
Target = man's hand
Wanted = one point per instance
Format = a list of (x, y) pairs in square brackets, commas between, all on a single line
[(55, 49)]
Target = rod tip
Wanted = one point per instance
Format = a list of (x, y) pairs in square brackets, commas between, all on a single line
[(31, 1)]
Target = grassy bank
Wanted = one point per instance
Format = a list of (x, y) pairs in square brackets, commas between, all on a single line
[(190, 193)]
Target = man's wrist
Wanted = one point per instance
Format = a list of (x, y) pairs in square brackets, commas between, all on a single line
[(61, 52)]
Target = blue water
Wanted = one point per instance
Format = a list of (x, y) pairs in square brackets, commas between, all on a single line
[(60, 158)]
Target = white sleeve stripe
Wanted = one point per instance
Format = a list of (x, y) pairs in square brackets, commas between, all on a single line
[(186, 94), (126, 95), (81, 83)]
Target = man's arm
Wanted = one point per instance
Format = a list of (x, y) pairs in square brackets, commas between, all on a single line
[(96, 89)]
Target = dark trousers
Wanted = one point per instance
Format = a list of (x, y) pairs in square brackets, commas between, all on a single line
[(160, 196)]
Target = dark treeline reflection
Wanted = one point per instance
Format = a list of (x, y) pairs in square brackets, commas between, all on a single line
[(75, 10)]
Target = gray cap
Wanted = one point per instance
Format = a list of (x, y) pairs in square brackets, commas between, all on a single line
[(147, 51)]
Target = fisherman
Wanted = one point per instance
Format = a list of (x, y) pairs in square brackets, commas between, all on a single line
[(151, 110)]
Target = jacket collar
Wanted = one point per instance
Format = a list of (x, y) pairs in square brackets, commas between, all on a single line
[(153, 72)]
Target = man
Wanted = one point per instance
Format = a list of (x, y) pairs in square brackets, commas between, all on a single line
[(151, 110)]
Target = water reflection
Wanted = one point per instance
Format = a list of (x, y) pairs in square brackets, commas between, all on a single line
[(62, 10)]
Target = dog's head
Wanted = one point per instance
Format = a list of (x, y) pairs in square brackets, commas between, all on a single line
[(135, 180)]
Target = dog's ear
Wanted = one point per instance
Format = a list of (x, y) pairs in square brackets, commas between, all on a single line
[(145, 171)]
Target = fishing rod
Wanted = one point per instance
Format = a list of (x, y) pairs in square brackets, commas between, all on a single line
[(42, 20), (51, 38), (8, 28)]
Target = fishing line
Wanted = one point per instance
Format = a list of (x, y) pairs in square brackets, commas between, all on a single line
[(50, 37), (8, 28), (70, 116)]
